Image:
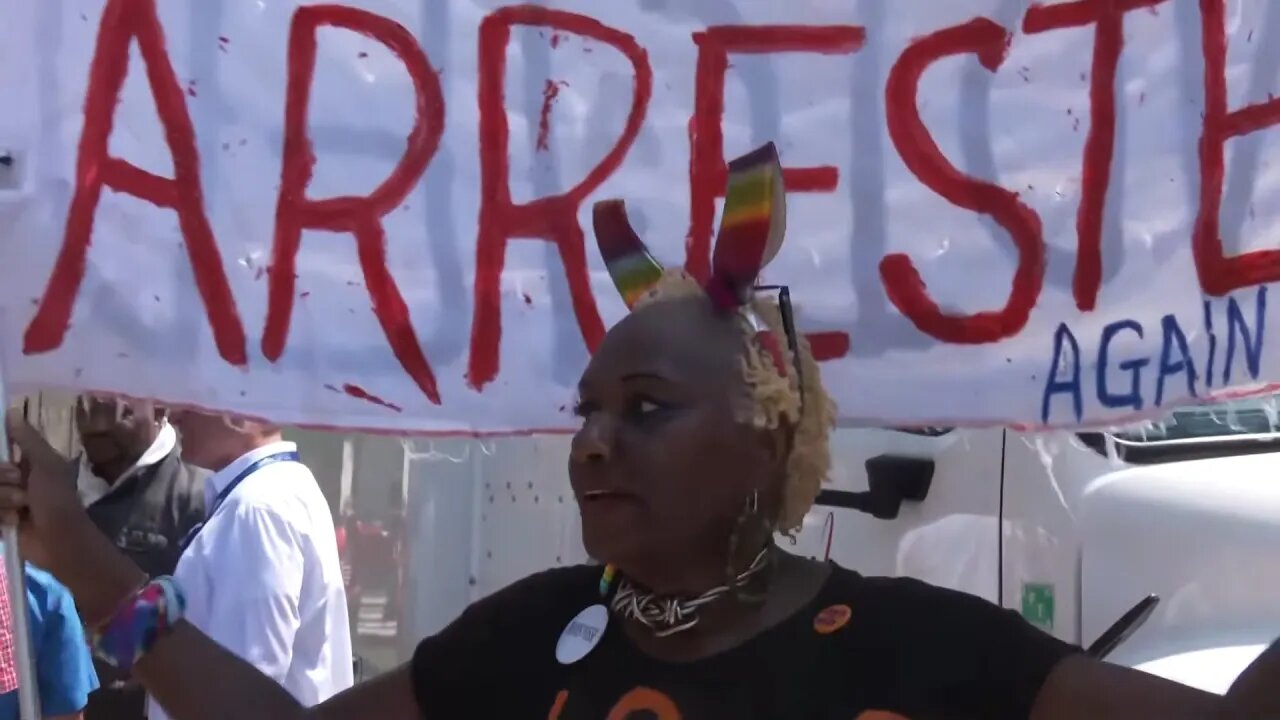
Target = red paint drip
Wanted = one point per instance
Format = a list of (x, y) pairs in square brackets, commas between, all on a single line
[(549, 93), (360, 393)]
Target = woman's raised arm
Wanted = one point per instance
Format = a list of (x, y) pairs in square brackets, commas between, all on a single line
[(191, 676), (195, 678)]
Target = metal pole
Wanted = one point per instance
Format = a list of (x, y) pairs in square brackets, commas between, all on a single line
[(28, 689)]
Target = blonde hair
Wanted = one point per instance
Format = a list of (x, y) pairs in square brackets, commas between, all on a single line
[(795, 400)]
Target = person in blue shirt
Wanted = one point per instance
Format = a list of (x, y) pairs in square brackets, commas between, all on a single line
[(64, 667)]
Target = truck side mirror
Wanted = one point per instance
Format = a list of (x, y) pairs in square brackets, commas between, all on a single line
[(891, 480)]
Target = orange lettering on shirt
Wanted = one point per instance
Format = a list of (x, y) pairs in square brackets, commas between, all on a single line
[(645, 699), (558, 706), (881, 715)]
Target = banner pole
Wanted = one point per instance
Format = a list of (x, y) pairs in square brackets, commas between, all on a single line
[(23, 655)]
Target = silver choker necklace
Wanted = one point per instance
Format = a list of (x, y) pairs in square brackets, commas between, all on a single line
[(669, 615)]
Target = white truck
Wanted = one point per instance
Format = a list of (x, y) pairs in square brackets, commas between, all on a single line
[(1074, 531)]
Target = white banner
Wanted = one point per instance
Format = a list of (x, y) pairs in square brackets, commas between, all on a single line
[(378, 215)]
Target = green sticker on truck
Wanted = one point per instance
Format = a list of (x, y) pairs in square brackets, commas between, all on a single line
[(1037, 605)]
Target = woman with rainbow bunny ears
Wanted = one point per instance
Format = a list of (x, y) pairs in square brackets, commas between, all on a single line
[(704, 434)]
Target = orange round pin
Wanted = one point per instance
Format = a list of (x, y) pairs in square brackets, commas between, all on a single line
[(832, 619)]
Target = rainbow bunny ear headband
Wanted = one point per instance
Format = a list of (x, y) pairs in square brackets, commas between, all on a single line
[(752, 228)]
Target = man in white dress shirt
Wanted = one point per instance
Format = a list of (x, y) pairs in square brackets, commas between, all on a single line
[(262, 575)]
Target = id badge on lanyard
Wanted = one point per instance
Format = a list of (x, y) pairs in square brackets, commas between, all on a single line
[(288, 456)]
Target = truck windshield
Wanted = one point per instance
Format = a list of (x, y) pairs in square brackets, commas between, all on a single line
[(1254, 416)]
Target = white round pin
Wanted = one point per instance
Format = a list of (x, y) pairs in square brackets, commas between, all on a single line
[(582, 634)]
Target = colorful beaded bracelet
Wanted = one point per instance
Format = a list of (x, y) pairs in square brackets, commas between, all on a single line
[(143, 619)]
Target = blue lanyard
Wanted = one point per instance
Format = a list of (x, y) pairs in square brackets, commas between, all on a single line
[(287, 456)]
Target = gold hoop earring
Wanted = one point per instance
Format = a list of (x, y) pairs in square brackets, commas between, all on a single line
[(751, 509)]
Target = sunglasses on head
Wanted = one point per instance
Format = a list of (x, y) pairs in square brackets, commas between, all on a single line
[(788, 328)]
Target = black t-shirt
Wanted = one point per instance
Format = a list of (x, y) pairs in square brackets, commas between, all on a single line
[(894, 645)]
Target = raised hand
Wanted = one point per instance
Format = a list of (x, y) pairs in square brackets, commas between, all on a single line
[(55, 531), (33, 490)]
